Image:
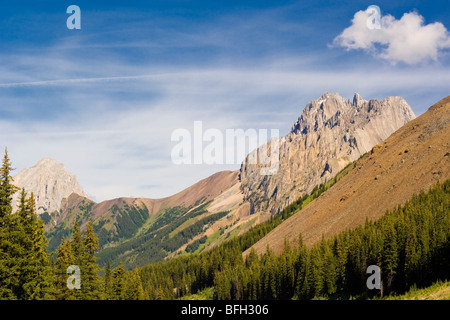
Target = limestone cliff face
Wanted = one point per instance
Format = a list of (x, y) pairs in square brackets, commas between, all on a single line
[(330, 133), (50, 182)]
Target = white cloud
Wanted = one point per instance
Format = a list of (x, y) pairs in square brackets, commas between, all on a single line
[(407, 40)]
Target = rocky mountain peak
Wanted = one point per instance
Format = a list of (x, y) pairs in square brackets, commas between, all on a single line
[(48, 162), (50, 182), (358, 100), (330, 133), (319, 113)]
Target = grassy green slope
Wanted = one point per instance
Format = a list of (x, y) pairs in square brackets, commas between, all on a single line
[(440, 290)]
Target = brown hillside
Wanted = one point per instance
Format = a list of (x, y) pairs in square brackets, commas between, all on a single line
[(410, 160), (208, 188)]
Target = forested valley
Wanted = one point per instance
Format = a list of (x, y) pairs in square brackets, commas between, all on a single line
[(410, 244)]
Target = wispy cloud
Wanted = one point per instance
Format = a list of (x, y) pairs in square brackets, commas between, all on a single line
[(73, 81)]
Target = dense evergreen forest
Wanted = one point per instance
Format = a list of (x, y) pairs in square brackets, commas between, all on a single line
[(411, 245)]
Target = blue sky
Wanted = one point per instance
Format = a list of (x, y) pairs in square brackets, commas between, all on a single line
[(105, 99)]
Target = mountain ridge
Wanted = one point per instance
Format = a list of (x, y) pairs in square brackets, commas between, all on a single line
[(409, 161), (330, 133), (122, 218)]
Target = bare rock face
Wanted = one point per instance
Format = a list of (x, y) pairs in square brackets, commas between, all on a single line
[(330, 133), (50, 182)]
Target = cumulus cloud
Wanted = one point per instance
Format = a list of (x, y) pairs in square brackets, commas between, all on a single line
[(407, 40)]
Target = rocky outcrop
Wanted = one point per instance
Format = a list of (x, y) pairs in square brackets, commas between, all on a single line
[(50, 183), (410, 161), (330, 133)]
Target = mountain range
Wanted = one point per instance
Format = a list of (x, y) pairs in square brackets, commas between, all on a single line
[(331, 133), (410, 161)]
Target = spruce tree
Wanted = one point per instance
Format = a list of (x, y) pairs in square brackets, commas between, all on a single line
[(77, 244), (118, 283), (63, 260), (11, 258), (107, 281), (7, 189), (329, 270), (133, 286), (390, 257), (25, 271), (35, 270), (301, 264), (315, 273), (90, 279), (10, 249), (341, 251)]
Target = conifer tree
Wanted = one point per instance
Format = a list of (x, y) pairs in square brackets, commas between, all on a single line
[(133, 286), (90, 279), (35, 271), (301, 264), (253, 286), (160, 295), (107, 281), (390, 257), (9, 234), (315, 273), (25, 271), (287, 285), (341, 252), (11, 257), (222, 284), (271, 286), (7, 189), (118, 283), (412, 256), (77, 244), (329, 270), (63, 260)]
